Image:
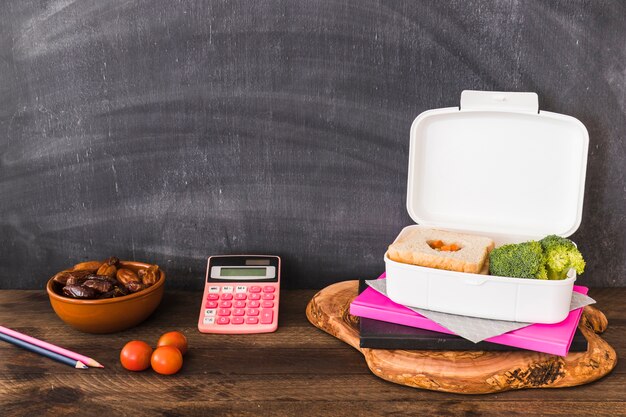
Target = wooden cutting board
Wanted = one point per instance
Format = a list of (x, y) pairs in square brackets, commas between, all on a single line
[(466, 372)]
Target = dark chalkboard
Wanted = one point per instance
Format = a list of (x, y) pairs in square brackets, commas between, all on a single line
[(169, 131)]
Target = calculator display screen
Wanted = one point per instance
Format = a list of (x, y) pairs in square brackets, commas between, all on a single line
[(242, 272), (243, 268)]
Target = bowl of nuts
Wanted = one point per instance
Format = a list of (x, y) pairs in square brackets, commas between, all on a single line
[(106, 296)]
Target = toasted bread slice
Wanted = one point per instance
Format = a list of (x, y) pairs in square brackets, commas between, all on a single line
[(413, 246)]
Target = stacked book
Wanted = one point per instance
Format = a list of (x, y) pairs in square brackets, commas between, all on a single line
[(385, 324)]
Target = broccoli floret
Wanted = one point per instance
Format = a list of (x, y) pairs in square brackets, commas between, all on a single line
[(560, 255), (542, 273), (550, 258), (522, 260)]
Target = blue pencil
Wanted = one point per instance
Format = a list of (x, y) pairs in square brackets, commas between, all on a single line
[(42, 351)]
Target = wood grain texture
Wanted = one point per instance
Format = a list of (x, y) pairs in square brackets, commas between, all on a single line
[(466, 372), (168, 131), (299, 370)]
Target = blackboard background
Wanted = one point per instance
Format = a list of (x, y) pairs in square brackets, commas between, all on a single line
[(169, 131)]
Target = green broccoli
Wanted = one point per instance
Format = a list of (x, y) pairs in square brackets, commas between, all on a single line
[(521, 260), (560, 255)]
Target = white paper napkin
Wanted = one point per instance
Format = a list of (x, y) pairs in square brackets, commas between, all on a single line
[(473, 328)]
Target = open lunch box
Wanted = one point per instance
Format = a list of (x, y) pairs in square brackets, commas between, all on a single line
[(495, 167)]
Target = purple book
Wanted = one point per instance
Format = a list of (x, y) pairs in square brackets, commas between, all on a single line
[(548, 338)]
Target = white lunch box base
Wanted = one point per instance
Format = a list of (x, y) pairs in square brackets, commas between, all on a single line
[(475, 295)]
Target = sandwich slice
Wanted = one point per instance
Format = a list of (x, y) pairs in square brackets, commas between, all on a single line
[(441, 249)]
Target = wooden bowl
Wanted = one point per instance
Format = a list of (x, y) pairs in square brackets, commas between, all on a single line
[(110, 314)]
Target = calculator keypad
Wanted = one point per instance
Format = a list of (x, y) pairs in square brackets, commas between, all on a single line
[(237, 305)]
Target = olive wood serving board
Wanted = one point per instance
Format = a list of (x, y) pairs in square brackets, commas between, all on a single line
[(466, 372)]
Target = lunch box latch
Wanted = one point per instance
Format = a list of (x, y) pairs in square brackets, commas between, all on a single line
[(499, 101)]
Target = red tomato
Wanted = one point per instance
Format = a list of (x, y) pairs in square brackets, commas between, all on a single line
[(176, 339), (135, 355), (167, 360)]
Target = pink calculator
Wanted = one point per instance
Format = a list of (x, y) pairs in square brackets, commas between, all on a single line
[(241, 294)]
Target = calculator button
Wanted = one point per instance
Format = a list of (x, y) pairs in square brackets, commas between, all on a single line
[(223, 320), (268, 304), (214, 289), (227, 288), (239, 312), (251, 320), (227, 297), (268, 296), (253, 312), (209, 320), (209, 312), (226, 304), (241, 288), (254, 304), (267, 316), (211, 304), (269, 289), (255, 288), (240, 297), (237, 320), (240, 304), (212, 297), (255, 296), (223, 312)]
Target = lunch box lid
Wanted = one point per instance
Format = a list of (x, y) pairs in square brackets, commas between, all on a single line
[(497, 166)]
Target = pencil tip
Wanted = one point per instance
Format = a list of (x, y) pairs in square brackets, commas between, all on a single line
[(80, 365), (94, 363)]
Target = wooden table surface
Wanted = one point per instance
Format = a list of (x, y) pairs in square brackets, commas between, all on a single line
[(297, 371)]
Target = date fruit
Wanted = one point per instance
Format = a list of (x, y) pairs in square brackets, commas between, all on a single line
[(135, 286), (103, 278), (91, 266), (149, 276), (126, 276), (117, 291), (108, 270), (61, 277), (77, 277), (78, 291), (109, 267), (99, 285)]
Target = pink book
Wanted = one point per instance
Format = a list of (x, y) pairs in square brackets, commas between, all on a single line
[(548, 338)]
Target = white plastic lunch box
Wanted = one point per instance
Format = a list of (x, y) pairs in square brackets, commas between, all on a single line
[(496, 167)]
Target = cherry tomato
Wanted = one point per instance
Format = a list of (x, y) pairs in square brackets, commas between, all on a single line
[(135, 355), (167, 360), (176, 339)]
